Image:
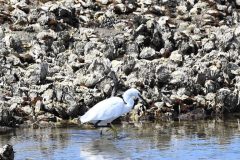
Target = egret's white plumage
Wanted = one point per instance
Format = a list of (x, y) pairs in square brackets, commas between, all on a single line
[(109, 109), (115, 107)]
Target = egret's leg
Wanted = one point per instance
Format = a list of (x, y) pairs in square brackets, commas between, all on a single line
[(114, 129), (97, 126)]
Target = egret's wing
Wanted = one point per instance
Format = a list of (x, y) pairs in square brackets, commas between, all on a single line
[(110, 108)]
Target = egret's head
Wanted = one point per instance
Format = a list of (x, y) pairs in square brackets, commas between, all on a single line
[(134, 94)]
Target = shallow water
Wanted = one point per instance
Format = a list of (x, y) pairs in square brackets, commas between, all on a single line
[(213, 139)]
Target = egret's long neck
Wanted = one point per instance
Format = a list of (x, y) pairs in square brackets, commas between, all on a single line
[(130, 102)]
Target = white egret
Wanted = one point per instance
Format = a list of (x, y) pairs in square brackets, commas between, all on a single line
[(104, 112)]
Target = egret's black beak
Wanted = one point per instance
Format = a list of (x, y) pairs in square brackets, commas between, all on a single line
[(144, 102)]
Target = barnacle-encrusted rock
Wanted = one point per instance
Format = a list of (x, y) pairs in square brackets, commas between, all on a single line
[(59, 58)]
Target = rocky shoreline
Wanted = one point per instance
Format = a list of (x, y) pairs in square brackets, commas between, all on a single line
[(59, 58)]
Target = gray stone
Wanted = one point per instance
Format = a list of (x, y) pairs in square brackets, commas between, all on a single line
[(95, 73), (163, 74), (47, 96), (75, 110), (238, 2), (159, 105), (213, 72), (13, 41), (36, 73), (148, 53), (2, 34), (224, 35), (128, 66), (230, 69), (211, 86), (120, 8), (27, 110), (6, 118), (209, 46), (44, 36), (183, 92), (227, 100), (20, 17), (178, 77), (237, 33), (44, 18), (104, 2), (43, 71), (38, 107), (210, 97), (176, 57)]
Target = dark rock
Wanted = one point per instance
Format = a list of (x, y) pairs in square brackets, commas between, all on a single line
[(163, 74), (227, 100), (7, 153), (13, 41), (65, 14), (76, 110), (211, 86), (6, 117), (116, 46), (128, 66), (43, 71), (196, 114)]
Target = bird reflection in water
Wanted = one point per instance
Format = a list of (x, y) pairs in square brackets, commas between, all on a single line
[(102, 149)]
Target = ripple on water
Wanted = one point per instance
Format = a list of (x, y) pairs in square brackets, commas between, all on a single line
[(175, 140)]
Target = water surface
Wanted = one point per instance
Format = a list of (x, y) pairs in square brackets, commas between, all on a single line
[(213, 139)]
